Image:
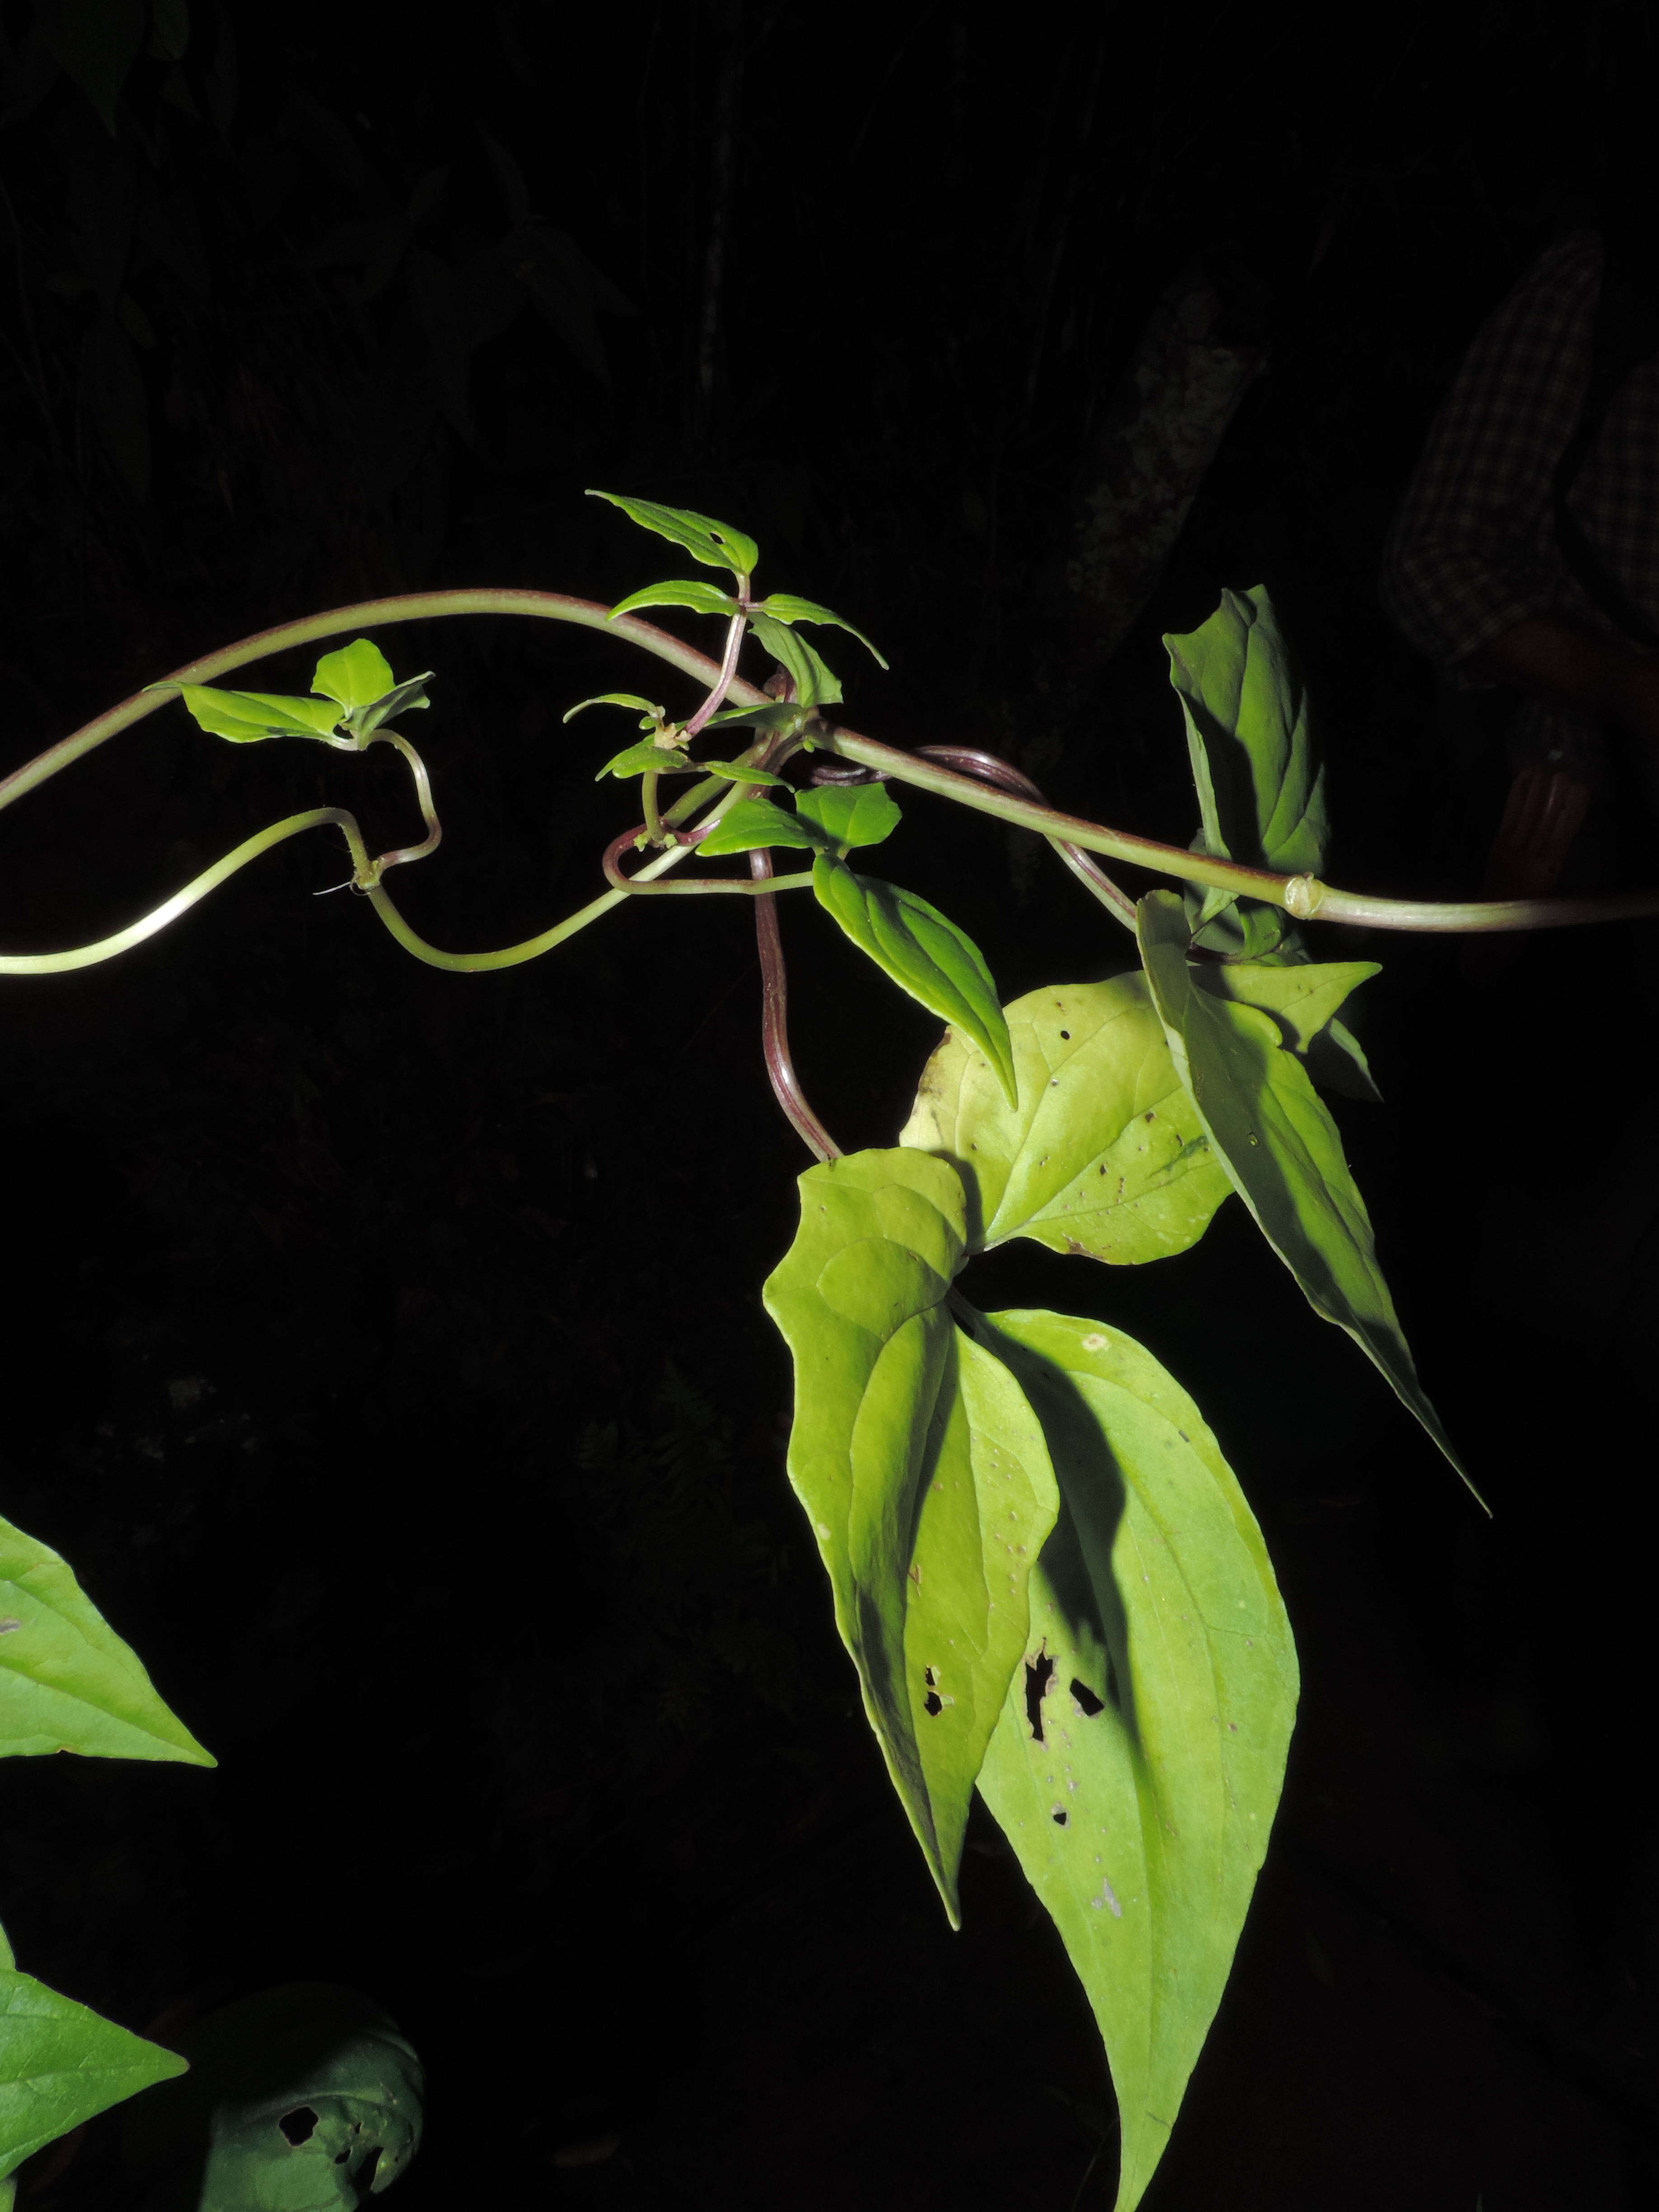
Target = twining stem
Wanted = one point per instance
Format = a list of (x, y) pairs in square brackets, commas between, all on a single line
[(434, 836), (106, 948), (989, 770), (1303, 897), (365, 877), (774, 1020), (692, 887)]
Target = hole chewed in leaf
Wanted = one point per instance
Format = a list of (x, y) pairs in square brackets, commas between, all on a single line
[(299, 2125), (933, 1702), (1085, 1700), (1057, 1814), (1039, 1673)]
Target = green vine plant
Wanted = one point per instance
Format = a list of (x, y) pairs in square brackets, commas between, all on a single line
[(1048, 1578)]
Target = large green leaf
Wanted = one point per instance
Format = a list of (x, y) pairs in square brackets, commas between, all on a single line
[(926, 955), (67, 1681), (1260, 784), (304, 2098), (1103, 1155), (60, 2063), (921, 1471), (1282, 1150), (1139, 1757)]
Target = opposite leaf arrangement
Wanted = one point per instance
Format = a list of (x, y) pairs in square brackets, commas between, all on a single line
[(1048, 1579)]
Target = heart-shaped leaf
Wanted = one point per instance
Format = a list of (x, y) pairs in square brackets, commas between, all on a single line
[(67, 1681), (356, 675), (1281, 1148), (938, 964), (716, 544), (305, 2097), (1102, 1155), (850, 814), (1139, 1760), (752, 824)]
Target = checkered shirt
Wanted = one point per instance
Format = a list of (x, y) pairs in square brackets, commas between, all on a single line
[(1472, 551)]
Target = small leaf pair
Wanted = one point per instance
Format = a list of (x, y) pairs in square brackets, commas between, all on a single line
[(717, 545), (357, 694)]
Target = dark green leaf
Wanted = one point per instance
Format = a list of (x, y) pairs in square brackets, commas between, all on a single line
[(702, 599), (851, 814), (95, 42), (716, 544), (307, 2052), (169, 29), (816, 684), (1281, 1148), (921, 1470), (926, 955), (1103, 1155), (60, 2063), (1336, 1058), (785, 607), (112, 393), (754, 824), (566, 289), (1139, 1757), (246, 716), (67, 1681)]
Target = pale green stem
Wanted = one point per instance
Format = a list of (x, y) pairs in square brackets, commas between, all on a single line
[(106, 948), (1303, 897), (365, 877), (413, 607)]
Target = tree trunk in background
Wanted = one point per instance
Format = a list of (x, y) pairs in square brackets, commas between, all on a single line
[(1146, 461)]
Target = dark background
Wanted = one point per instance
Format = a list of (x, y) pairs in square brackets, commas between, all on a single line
[(384, 1346)]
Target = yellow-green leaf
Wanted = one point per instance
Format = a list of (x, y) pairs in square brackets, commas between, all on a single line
[(67, 1681), (1140, 1753), (1277, 1139), (921, 1471), (1103, 1154)]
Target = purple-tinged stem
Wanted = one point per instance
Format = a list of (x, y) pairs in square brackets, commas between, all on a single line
[(775, 1023)]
